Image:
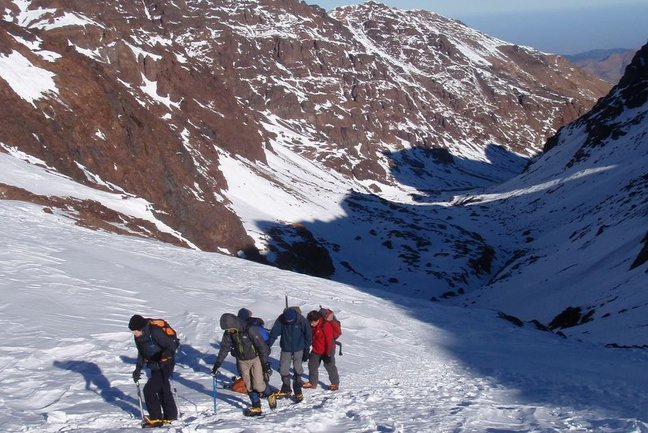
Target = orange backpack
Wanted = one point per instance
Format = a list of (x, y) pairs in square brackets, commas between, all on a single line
[(166, 328), (239, 385)]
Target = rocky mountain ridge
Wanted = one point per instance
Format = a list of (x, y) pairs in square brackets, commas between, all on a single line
[(145, 97), (371, 145)]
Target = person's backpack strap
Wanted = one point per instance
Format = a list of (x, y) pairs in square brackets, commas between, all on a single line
[(238, 343)]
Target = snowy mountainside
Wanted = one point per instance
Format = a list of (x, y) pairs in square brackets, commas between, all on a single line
[(166, 90), (583, 208), (235, 127), (483, 81), (68, 292)]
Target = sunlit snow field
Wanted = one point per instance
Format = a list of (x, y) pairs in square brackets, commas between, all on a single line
[(408, 366)]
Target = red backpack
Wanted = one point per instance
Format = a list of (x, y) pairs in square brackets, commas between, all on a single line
[(329, 316)]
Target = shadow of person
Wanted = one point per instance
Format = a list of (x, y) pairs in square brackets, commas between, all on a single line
[(98, 383), (190, 357)]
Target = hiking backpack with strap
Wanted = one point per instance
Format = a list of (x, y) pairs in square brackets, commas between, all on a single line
[(329, 316), (243, 347), (265, 333), (166, 328)]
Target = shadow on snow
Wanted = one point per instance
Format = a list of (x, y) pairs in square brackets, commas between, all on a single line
[(98, 383), (404, 252)]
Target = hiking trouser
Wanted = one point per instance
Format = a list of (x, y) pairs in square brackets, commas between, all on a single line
[(252, 374), (157, 393), (285, 360), (314, 361)]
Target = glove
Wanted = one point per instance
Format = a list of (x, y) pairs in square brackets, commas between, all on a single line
[(214, 370), (326, 359), (136, 375), (305, 355), (267, 371)]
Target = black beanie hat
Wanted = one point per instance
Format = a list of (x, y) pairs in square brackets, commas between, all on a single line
[(136, 323)]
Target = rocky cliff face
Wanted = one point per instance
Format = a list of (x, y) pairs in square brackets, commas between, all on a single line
[(147, 97)]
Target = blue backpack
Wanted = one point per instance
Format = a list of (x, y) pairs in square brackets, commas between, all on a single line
[(264, 333), (255, 321)]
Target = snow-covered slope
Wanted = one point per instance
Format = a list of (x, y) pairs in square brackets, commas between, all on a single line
[(580, 216), (67, 356)]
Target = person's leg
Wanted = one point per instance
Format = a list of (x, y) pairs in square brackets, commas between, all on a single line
[(254, 398), (256, 375), (259, 385), (313, 374), (299, 370), (284, 370), (166, 394), (244, 369), (152, 390), (255, 408), (332, 371)]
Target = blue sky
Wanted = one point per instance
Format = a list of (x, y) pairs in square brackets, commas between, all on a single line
[(558, 26)]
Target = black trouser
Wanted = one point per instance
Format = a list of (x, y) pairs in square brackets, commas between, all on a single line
[(158, 395)]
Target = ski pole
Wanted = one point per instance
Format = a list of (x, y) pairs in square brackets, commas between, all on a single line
[(214, 394), (337, 343), (139, 399), (175, 395)]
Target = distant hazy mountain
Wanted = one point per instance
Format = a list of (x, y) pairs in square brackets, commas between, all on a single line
[(606, 64)]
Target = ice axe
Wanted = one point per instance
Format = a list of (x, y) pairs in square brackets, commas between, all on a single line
[(214, 389)]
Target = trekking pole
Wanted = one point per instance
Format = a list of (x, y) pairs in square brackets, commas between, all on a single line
[(139, 399), (214, 388), (174, 392)]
